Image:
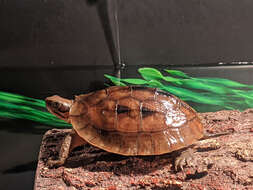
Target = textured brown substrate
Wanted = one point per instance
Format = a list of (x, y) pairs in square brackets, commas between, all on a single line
[(224, 162)]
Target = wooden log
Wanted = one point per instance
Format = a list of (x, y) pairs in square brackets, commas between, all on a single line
[(224, 162)]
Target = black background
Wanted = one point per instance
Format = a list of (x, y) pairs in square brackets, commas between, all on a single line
[(78, 32)]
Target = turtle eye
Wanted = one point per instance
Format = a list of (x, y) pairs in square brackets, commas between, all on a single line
[(55, 104)]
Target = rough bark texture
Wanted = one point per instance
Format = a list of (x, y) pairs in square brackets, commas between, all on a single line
[(224, 162)]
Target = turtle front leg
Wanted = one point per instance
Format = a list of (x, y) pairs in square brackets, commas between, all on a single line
[(63, 154), (184, 159), (71, 141)]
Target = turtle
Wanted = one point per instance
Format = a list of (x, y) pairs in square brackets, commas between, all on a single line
[(127, 120)]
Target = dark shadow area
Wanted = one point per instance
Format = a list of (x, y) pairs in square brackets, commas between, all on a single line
[(98, 160), (30, 166), (23, 126), (197, 175), (118, 164)]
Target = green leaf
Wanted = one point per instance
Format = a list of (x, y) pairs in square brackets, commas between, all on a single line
[(154, 74), (8, 97), (150, 74), (203, 85), (173, 80), (155, 84), (116, 81), (134, 81), (177, 73), (243, 94), (225, 82)]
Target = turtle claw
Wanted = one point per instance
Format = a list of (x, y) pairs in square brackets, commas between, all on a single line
[(54, 163), (185, 159)]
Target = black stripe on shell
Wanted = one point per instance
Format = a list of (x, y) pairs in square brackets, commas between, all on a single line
[(122, 109), (146, 112)]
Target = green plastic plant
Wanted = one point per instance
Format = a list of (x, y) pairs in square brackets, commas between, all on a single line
[(15, 106), (219, 92)]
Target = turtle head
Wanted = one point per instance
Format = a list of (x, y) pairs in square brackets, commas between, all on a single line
[(59, 107)]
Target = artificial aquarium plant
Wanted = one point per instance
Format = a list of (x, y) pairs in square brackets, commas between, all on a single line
[(219, 92)]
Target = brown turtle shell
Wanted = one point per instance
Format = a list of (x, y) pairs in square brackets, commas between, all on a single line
[(135, 121)]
